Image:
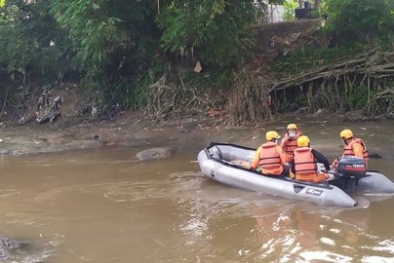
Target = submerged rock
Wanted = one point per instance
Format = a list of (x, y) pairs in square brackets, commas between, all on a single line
[(8, 246), (155, 153), (12, 250)]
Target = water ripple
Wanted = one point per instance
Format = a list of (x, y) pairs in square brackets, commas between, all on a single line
[(6, 193)]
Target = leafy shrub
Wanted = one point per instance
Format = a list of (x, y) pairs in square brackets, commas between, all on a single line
[(360, 17), (290, 6)]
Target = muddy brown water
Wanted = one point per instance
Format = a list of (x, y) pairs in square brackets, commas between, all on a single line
[(102, 205)]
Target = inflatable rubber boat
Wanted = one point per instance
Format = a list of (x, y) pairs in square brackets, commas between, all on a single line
[(220, 162)]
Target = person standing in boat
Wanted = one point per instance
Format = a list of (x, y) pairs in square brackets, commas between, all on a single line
[(304, 164), (270, 157), (353, 147), (289, 142)]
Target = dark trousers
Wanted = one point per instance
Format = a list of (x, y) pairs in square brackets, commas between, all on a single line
[(286, 170)]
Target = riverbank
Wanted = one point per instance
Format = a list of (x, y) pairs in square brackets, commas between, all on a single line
[(134, 130)]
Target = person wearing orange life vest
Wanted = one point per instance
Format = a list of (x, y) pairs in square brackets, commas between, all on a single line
[(353, 147), (270, 157), (289, 142), (304, 164)]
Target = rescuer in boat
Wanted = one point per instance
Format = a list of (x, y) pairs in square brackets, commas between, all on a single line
[(353, 147), (304, 164), (270, 157), (289, 142)]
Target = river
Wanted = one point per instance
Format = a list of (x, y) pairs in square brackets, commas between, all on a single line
[(102, 206)]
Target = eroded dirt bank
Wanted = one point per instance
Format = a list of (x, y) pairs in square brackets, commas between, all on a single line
[(131, 130)]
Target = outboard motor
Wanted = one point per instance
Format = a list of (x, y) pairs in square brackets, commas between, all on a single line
[(349, 170)]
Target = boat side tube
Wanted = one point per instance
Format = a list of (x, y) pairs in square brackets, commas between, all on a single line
[(376, 182), (321, 194)]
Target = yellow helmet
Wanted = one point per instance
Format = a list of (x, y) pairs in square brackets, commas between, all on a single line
[(271, 135), (303, 141), (346, 134), (292, 126)]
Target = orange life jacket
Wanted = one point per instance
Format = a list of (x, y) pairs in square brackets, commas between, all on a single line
[(305, 164), (290, 144), (348, 150), (269, 157)]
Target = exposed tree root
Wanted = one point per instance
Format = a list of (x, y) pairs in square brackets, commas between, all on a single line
[(366, 71), (247, 102), (367, 77), (370, 64), (180, 100)]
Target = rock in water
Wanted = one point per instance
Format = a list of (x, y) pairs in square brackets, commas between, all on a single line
[(155, 153), (7, 246)]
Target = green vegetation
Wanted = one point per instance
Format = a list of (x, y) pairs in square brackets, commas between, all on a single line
[(360, 18), (212, 30), (352, 66), (191, 56), (290, 6), (304, 59), (123, 47)]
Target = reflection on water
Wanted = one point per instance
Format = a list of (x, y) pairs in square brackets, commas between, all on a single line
[(103, 206)]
